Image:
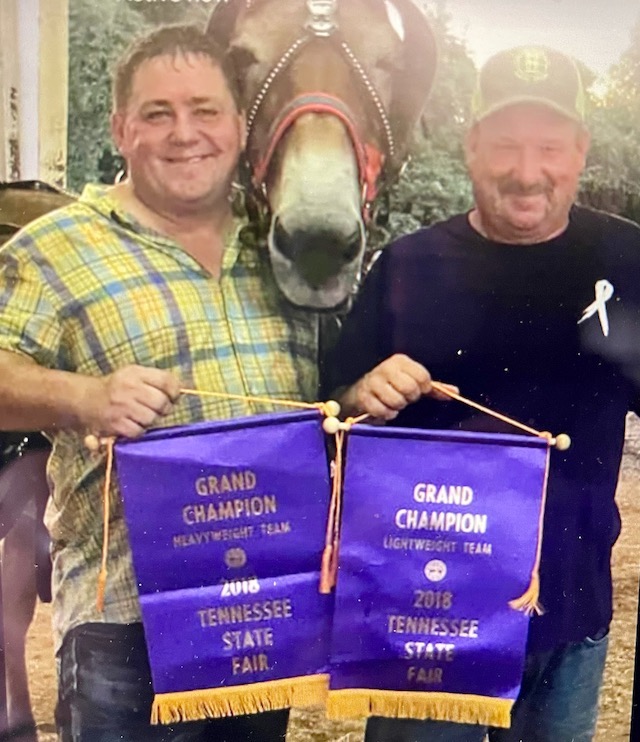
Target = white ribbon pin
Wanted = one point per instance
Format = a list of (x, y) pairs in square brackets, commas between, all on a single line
[(604, 291)]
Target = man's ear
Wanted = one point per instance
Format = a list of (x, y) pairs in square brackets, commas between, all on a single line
[(584, 144), (117, 130), (470, 144)]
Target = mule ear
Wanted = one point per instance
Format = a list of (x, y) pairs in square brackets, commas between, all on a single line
[(222, 21), (414, 77)]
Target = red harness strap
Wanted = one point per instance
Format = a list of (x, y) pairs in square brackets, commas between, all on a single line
[(369, 158)]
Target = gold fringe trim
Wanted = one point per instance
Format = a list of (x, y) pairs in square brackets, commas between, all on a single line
[(464, 709), (236, 700)]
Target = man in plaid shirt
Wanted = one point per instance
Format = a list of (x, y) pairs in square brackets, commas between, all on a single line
[(107, 308)]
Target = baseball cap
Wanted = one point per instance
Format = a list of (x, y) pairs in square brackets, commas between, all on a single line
[(529, 74)]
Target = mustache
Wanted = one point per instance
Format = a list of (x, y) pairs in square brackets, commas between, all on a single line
[(509, 186)]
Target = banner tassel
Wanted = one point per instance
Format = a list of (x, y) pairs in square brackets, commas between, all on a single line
[(329, 563), (94, 444), (332, 426), (529, 601)]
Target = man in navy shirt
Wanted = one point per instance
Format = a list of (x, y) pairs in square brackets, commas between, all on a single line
[(529, 304)]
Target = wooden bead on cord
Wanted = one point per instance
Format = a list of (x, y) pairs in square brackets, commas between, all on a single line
[(562, 442), (332, 408), (331, 425)]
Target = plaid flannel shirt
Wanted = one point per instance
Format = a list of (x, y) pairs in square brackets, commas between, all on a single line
[(87, 289)]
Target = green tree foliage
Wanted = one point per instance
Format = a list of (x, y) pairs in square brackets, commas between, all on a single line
[(435, 184), (98, 33), (612, 177), (160, 12)]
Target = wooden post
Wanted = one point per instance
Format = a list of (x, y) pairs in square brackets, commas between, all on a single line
[(9, 170), (34, 62), (28, 56), (634, 732), (9, 92), (53, 90)]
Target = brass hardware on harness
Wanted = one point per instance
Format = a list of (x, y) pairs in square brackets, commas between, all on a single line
[(322, 21)]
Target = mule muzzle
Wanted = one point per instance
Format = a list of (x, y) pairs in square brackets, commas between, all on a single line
[(316, 268)]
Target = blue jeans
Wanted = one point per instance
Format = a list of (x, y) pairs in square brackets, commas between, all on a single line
[(105, 695), (558, 702)]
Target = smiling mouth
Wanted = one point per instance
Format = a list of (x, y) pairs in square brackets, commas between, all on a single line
[(187, 160), (526, 200)]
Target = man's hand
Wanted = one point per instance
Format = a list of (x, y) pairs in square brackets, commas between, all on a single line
[(129, 401), (390, 387)]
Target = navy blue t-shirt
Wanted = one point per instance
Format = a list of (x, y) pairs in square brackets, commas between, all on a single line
[(501, 322)]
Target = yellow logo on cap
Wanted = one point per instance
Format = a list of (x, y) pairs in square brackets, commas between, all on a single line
[(531, 64)]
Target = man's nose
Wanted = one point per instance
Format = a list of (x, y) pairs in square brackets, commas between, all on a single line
[(528, 166), (184, 128)]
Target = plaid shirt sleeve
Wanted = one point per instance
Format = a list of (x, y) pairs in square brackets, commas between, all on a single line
[(29, 322)]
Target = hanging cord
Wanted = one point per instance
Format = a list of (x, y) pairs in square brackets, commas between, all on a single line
[(562, 441), (102, 577), (286, 402), (329, 567), (332, 426), (529, 601)]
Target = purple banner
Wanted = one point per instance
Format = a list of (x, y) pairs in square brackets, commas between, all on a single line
[(227, 526), (241, 632), (439, 533)]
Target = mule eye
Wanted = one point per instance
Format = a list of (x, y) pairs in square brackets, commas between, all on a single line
[(241, 58), (388, 65)]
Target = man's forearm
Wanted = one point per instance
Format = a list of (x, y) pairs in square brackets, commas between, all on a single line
[(37, 398)]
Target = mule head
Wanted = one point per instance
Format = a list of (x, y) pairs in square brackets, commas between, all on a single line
[(332, 90)]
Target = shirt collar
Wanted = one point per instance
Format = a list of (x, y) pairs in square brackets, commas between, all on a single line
[(100, 198)]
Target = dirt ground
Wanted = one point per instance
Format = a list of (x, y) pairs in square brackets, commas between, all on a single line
[(310, 726)]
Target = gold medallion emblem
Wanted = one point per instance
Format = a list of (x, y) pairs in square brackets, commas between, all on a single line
[(531, 64), (235, 558)]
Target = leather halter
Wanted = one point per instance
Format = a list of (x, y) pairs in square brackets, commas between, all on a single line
[(368, 158), (322, 25)]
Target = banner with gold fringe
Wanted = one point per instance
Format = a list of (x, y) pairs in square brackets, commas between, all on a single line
[(227, 523), (438, 570)]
